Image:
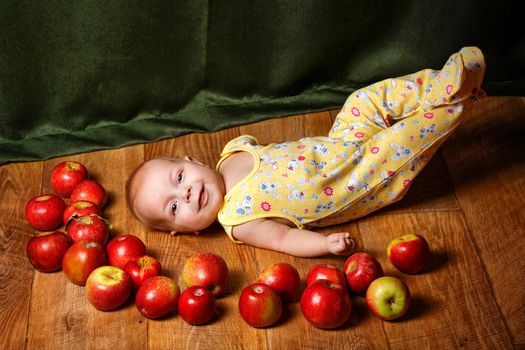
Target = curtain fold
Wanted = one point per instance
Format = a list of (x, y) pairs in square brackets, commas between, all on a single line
[(77, 76)]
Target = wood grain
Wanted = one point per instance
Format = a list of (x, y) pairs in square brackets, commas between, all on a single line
[(468, 202)]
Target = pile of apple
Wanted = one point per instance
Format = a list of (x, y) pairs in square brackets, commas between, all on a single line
[(113, 271), (325, 301)]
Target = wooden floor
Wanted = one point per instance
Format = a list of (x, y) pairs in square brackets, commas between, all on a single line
[(469, 203)]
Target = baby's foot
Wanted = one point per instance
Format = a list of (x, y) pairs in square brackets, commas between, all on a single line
[(340, 243)]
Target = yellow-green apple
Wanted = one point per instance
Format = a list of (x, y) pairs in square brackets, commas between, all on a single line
[(80, 208), (81, 259), (89, 190), (141, 268), (206, 270), (325, 304), (44, 212), (108, 287), (259, 305), (197, 305), (388, 298), (282, 278), (66, 175), (91, 227), (157, 296), (124, 247), (360, 270), (327, 272), (409, 253), (45, 251)]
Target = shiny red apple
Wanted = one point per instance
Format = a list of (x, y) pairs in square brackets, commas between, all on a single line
[(388, 298), (89, 190), (66, 175), (360, 270), (108, 287), (44, 212), (80, 208), (157, 296), (124, 247), (259, 305), (141, 268), (282, 278), (197, 305), (81, 259), (325, 304), (206, 270), (45, 251), (91, 227), (409, 253), (327, 272)]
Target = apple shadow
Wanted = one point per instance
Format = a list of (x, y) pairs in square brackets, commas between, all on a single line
[(288, 313), (418, 307), (437, 260), (359, 312)]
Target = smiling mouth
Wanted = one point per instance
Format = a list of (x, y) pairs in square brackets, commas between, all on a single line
[(203, 199)]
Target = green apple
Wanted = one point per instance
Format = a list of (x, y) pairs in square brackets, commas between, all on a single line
[(388, 298)]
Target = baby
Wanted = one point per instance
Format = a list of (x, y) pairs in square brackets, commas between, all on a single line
[(270, 196)]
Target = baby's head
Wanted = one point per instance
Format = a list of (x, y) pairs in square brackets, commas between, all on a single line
[(177, 195)]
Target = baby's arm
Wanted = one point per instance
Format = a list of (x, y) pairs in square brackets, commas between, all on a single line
[(270, 234)]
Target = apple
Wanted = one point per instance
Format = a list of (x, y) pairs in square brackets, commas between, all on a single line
[(157, 296), (388, 298), (409, 253), (327, 272), (197, 305), (282, 278), (44, 212), (108, 287), (206, 270), (122, 248), (142, 267), (80, 208), (259, 305), (91, 227), (45, 251), (66, 175), (325, 304), (81, 259), (360, 270), (89, 190)]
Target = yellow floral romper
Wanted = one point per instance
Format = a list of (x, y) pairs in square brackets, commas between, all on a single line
[(381, 139)]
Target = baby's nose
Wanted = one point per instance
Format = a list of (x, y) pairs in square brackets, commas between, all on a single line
[(186, 195)]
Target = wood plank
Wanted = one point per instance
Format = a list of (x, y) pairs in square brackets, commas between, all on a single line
[(487, 162), (452, 302), (18, 183), (61, 316)]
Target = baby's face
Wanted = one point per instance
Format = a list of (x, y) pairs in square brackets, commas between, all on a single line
[(179, 195)]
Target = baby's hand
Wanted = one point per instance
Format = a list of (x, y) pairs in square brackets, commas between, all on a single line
[(340, 243)]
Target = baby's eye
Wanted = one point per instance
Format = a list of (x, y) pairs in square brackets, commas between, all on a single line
[(179, 177), (174, 207)]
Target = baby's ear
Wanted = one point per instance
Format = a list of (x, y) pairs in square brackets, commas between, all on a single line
[(190, 159)]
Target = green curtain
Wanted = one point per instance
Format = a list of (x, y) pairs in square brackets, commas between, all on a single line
[(77, 75)]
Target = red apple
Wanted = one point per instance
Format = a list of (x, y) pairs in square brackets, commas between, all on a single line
[(197, 305), (108, 287), (388, 298), (360, 270), (282, 278), (409, 253), (157, 296), (45, 251), (80, 208), (259, 305), (66, 175), (81, 259), (141, 268), (122, 248), (44, 212), (326, 272), (89, 190), (325, 304), (206, 270), (91, 227)]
